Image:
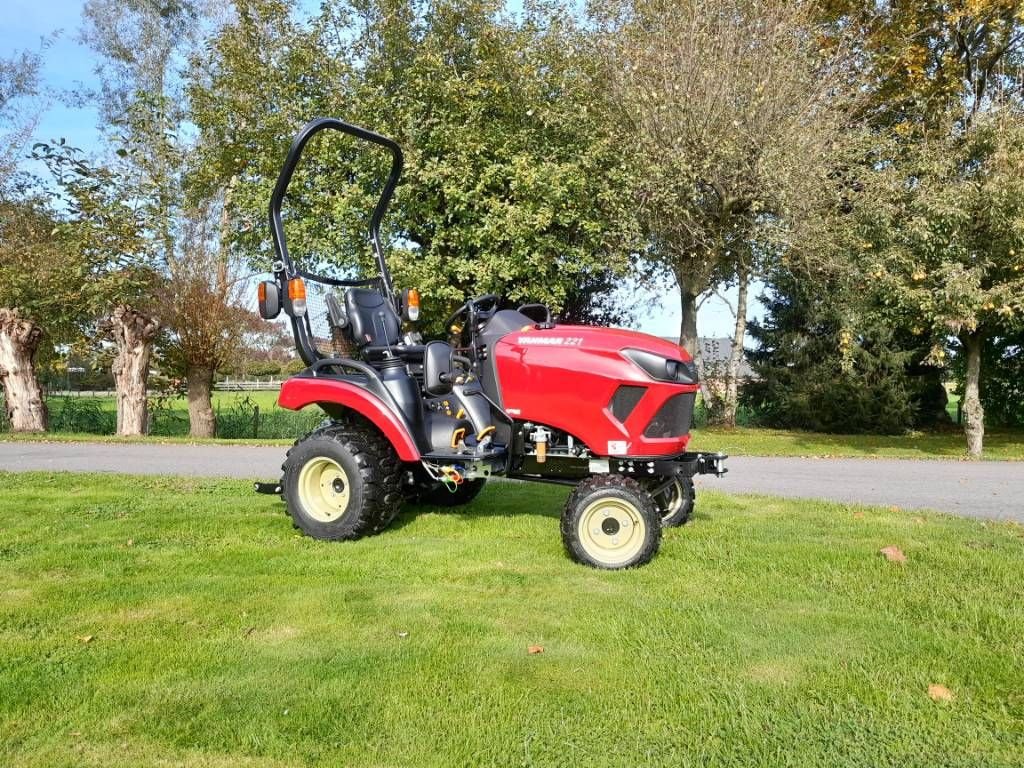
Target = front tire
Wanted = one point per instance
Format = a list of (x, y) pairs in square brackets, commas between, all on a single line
[(611, 522), (342, 482), (676, 502)]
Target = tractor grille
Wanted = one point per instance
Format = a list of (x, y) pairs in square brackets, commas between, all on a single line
[(674, 417), (624, 401)]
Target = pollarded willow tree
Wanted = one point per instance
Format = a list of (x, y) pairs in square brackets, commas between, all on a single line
[(733, 109), (140, 44), (34, 286), (512, 182)]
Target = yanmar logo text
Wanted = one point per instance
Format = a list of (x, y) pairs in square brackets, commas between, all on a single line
[(551, 341)]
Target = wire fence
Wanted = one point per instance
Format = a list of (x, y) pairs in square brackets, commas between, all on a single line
[(241, 419)]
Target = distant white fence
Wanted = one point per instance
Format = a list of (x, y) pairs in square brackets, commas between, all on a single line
[(248, 385)]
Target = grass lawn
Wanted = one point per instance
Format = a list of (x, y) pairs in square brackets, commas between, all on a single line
[(951, 444), (170, 621)]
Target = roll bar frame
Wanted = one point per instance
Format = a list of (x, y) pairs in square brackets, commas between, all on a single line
[(307, 132)]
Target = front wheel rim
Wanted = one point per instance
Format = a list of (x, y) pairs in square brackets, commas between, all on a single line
[(674, 497), (324, 490), (612, 531)]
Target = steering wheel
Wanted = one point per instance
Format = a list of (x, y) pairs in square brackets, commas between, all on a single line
[(479, 308)]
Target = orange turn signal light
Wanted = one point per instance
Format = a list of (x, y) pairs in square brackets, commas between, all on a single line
[(297, 296), (296, 289)]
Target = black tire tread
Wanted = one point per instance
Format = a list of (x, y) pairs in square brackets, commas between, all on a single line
[(585, 490), (380, 472)]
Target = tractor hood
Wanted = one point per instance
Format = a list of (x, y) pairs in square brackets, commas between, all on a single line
[(658, 358), (621, 393)]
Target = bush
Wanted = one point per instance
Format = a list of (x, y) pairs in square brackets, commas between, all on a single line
[(293, 366), (815, 375), (261, 368)]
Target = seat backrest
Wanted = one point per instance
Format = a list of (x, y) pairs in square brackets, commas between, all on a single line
[(374, 322)]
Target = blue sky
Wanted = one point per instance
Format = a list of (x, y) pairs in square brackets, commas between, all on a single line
[(69, 65)]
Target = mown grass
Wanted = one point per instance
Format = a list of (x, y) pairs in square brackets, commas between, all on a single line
[(168, 621), (1003, 445), (1000, 444)]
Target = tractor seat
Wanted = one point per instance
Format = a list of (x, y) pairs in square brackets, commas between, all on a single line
[(375, 326), (374, 322)]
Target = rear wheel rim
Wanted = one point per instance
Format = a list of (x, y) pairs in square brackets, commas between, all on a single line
[(612, 531), (324, 490)]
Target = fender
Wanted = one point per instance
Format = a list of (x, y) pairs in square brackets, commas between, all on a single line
[(300, 391)]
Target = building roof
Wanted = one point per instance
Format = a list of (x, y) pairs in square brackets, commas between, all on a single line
[(715, 351)]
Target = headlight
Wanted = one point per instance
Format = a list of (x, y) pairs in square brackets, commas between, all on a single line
[(661, 368)]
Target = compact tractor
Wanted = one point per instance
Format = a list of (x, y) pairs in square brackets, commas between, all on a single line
[(512, 393)]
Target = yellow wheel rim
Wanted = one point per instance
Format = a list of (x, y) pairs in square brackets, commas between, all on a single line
[(612, 531), (323, 489)]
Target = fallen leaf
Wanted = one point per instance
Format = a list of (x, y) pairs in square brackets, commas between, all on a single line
[(939, 692), (894, 508), (249, 631), (919, 520), (535, 649), (131, 542), (858, 515), (85, 639), (403, 634), (893, 554)]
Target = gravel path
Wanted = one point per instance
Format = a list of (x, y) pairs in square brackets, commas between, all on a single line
[(985, 489)]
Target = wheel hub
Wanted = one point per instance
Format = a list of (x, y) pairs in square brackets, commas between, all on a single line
[(323, 489), (612, 531)]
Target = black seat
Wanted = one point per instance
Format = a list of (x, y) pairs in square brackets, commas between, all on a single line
[(374, 322), (376, 328)]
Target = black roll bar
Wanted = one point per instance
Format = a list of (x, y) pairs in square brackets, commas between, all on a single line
[(309, 130)]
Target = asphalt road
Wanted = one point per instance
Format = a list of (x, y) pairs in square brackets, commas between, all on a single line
[(987, 489)]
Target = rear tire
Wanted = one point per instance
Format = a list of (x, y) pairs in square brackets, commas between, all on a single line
[(342, 482), (440, 496), (676, 502), (611, 522)]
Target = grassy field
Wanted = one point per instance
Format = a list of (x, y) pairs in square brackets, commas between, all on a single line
[(161, 621), (951, 444)]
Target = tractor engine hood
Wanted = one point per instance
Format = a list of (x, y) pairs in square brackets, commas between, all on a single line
[(621, 392)]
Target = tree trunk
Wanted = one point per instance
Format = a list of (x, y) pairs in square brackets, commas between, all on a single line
[(688, 327), (201, 419), (133, 334), (725, 413), (973, 413), (23, 398)]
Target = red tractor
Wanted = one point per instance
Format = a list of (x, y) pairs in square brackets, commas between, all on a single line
[(512, 393)]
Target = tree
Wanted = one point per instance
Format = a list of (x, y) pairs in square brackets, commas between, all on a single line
[(946, 247), (937, 224), (32, 284), (101, 229), (511, 181), (818, 369), (731, 108), (203, 306), (143, 113)]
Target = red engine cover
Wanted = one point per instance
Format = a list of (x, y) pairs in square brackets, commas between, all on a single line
[(565, 377)]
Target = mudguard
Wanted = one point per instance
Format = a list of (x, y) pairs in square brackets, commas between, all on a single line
[(300, 391)]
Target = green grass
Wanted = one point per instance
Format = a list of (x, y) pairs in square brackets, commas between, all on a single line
[(170, 621), (83, 437), (951, 444)]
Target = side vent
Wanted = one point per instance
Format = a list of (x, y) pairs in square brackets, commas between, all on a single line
[(624, 401)]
